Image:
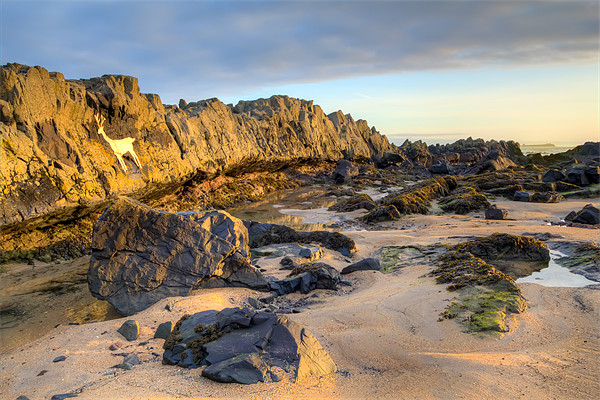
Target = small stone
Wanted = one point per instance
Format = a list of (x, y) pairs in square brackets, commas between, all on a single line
[(115, 346), (59, 359), (364, 265), (254, 303), (22, 398), (164, 330), (132, 359), (130, 330), (63, 396), (125, 366), (170, 305), (42, 372), (143, 343)]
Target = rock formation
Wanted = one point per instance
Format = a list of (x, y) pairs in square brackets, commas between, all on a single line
[(71, 144), (243, 346), (141, 255)]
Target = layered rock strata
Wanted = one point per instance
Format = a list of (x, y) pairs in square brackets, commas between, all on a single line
[(70, 144)]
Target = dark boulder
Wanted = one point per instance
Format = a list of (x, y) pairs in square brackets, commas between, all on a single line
[(592, 174), (588, 215), (553, 175), (240, 345), (570, 216), (493, 212), (368, 264), (307, 278), (577, 176), (521, 196), (442, 168), (344, 172), (141, 255), (164, 330), (263, 234), (547, 197), (493, 161)]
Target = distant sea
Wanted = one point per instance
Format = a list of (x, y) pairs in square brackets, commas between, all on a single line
[(544, 149)]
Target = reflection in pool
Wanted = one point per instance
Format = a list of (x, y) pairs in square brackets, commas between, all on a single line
[(556, 275)]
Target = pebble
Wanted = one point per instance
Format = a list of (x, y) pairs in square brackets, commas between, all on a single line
[(22, 398), (59, 359), (42, 372), (132, 359), (115, 346), (254, 303)]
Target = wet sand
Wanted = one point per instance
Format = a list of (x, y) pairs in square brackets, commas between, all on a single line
[(384, 334)]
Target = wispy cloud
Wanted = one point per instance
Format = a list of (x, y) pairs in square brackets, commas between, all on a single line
[(208, 48)]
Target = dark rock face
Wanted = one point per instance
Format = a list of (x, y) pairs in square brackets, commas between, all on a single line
[(262, 234), (588, 215), (307, 278), (344, 171), (521, 196), (164, 330), (493, 161), (368, 264), (57, 161), (493, 212), (242, 346), (141, 255), (553, 175)]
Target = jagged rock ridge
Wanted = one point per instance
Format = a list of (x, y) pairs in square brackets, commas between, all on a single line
[(57, 159)]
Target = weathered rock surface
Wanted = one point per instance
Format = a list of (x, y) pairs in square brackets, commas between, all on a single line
[(464, 200), (243, 346), (130, 330), (57, 159), (141, 255)]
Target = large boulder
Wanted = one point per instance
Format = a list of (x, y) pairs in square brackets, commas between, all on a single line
[(577, 176), (442, 168), (141, 255), (243, 346)]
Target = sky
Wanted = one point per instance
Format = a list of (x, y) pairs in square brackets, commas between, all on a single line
[(431, 70)]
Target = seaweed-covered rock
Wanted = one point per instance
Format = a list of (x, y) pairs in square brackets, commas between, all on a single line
[(240, 345), (262, 234), (363, 201), (494, 212), (548, 197), (141, 255), (464, 200), (504, 246), (417, 199), (382, 213), (306, 278)]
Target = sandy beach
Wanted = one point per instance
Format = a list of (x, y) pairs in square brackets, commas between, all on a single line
[(383, 333)]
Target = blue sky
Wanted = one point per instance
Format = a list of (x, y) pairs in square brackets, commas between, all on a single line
[(436, 70)]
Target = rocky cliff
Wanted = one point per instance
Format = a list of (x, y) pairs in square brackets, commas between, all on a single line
[(69, 145)]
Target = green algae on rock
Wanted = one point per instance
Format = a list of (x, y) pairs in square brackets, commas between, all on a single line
[(504, 246)]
